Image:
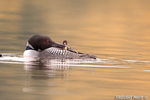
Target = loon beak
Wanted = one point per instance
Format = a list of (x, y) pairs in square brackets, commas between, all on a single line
[(57, 45)]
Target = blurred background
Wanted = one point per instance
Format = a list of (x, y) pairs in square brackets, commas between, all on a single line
[(117, 31), (117, 28)]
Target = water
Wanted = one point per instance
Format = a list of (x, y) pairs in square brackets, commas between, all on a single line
[(115, 31)]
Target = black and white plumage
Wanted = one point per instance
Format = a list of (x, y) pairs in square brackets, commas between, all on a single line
[(43, 47)]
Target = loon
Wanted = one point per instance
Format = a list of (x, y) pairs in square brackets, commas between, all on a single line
[(43, 47)]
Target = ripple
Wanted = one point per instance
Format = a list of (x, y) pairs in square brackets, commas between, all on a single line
[(100, 66), (136, 61), (30, 63), (147, 70)]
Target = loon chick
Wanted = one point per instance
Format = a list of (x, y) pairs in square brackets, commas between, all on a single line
[(65, 44), (43, 47)]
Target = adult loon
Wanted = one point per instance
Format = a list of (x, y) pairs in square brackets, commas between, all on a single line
[(43, 47)]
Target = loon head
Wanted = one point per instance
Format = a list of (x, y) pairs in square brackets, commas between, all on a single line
[(40, 42)]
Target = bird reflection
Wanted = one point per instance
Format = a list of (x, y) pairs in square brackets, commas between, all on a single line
[(44, 73), (50, 74), (46, 68)]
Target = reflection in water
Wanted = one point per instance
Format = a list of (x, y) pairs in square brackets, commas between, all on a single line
[(46, 64), (58, 77), (42, 73)]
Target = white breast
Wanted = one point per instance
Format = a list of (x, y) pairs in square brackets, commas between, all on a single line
[(30, 53)]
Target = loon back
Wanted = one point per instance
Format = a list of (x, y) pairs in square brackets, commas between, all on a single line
[(55, 53)]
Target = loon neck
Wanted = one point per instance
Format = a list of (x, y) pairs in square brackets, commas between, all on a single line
[(29, 47)]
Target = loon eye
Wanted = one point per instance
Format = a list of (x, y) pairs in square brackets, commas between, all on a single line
[(47, 41)]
